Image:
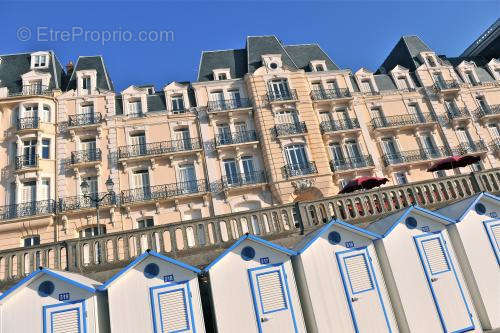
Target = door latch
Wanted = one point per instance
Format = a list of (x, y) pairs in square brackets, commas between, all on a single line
[(434, 279), (354, 299), (263, 319)]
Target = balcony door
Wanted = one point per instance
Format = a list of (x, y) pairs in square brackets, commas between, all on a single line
[(138, 144), (30, 111), (248, 169), (235, 98), (89, 146), (287, 117), (438, 78), (482, 105), (224, 134), (343, 118), (416, 113), (337, 154), (494, 131), (451, 107), (29, 152), (390, 149), (29, 192), (183, 139), (231, 171), (218, 98), (187, 177), (402, 83), (430, 146), (354, 153), (279, 89), (87, 114), (464, 138), (333, 86), (296, 157), (141, 184), (378, 117)]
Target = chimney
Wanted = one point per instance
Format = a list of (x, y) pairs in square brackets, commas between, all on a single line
[(69, 67)]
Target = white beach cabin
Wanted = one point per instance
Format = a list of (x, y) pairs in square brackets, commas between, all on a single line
[(253, 288), (340, 282), (155, 293), (48, 301), (423, 278), (476, 238)]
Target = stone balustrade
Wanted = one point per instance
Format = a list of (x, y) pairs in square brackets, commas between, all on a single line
[(110, 251)]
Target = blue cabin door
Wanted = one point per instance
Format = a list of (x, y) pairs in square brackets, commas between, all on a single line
[(362, 291), (271, 298), (172, 309), (64, 318), (446, 290)]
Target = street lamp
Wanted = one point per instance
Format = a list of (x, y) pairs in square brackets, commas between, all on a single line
[(94, 197)]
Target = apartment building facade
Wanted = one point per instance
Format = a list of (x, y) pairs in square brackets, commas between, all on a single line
[(262, 126)]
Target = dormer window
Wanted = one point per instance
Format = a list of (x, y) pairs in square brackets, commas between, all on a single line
[(40, 61), (320, 68), (366, 85), (86, 84), (135, 108), (151, 91), (430, 61), (177, 104), (470, 77), (402, 83), (222, 76)]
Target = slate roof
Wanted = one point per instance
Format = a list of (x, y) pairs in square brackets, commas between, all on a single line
[(96, 63), (405, 54), (384, 82), (156, 102), (487, 44), (247, 60), (12, 66)]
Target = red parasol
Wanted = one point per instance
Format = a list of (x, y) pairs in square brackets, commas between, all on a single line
[(454, 162), (366, 183)]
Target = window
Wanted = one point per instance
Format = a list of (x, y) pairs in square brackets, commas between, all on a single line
[(440, 174), (187, 177), (287, 117), (482, 104), (40, 61), (88, 145), (31, 241), (470, 77), (403, 83), (224, 135), (135, 108), (296, 155), (178, 104), (87, 108), (29, 152), (92, 231), (319, 68), (430, 146), (337, 154), (145, 223), (235, 97), (279, 89), (30, 111), (400, 178), (366, 85), (93, 185), (231, 171), (316, 86), (183, 139), (44, 190), (141, 179), (248, 167), (494, 130), (45, 148), (240, 127), (45, 114), (430, 61), (29, 192), (86, 83), (438, 79), (222, 76), (390, 149), (325, 116), (464, 136)]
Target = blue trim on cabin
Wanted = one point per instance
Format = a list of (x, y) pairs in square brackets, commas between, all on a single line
[(48, 272), (442, 250), (281, 287), (187, 297), (141, 258), (254, 295), (255, 239), (340, 223), (475, 201), (429, 282), (488, 226), (372, 276), (363, 255), (83, 314)]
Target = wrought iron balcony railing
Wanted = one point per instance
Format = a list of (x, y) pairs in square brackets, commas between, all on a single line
[(446, 85), (26, 162), (338, 125), (243, 179), (158, 148), (325, 94), (84, 119), (290, 129), (86, 156), (289, 95), (470, 147), (228, 104), (294, 170), (351, 163), (82, 202), (455, 113), (31, 90), (494, 145), (28, 123), (27, 209), (402, 120), (161, 192), (488, 111), (417, 155), (235, 138)]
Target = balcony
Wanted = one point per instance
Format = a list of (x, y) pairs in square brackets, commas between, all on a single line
[(331, 94), (447, 86), (91, 156), (457, 114), (296, 170), (28, 123), (403, 121), (84, 120), (80, 202), (339, 125), (473, 147), (285, 96), (163, 192), (415, 156), (158, 148), (236, 138), (351, 163), (290, 129), (244, 179), (27, 209), (494, 145), (492, 111), (31, 90), (228, 104), (26, 162)]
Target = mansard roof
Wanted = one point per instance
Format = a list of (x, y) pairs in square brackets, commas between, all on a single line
[(405, 53), (92, 63), (13, 66)]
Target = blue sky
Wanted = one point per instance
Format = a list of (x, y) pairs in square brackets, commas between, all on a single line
[(354, 34)]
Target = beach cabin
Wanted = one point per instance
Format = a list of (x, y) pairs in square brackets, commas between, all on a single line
[(155, 293), (421, 271), (476, 238), (340, 282), (253, 288), (48, 301)]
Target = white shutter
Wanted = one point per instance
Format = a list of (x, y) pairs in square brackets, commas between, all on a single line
[(66, 321), (173, 311), (271, 291), (495, 231), (434, 253), (358, 273)]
